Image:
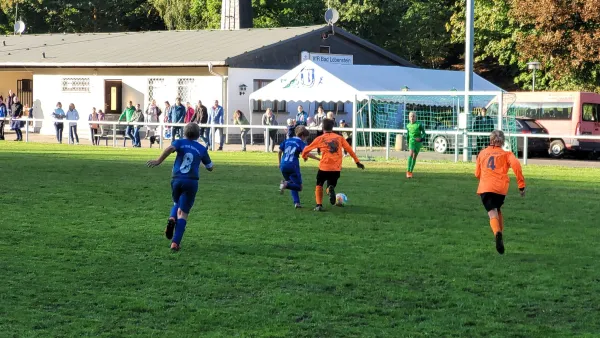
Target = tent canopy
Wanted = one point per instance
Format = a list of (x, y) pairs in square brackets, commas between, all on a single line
[(332, 83)]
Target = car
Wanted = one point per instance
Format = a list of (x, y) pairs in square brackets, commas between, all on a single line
[(442, 142)]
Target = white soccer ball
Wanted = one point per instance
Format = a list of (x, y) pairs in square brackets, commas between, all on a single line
[(341, 199)]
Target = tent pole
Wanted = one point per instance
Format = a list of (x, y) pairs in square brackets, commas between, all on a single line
[(251, 115), (354, 122), (370, 126)]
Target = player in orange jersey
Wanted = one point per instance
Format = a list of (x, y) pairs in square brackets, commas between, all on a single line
[(331, 146), (492, 172)]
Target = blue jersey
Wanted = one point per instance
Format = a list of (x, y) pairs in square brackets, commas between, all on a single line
[(291, 148), (189, 156)]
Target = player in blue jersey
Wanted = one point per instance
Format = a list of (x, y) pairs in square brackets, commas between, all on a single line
[(289, 152), (184, 185)]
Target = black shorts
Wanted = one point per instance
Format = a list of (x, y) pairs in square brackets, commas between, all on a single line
[(330, 176), (492, 200)]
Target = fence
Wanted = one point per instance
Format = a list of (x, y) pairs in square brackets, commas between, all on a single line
[(457, 135)]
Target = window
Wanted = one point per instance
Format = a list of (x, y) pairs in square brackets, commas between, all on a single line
[(325, 49), (156, 89), (591, 112), (185, 88), (336, 107), (76, 84), (261, 106), (545, 111)]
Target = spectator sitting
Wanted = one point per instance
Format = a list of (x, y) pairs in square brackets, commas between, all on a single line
[(301, 117)]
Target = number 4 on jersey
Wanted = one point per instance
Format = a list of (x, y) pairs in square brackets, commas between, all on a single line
[(492, 163)]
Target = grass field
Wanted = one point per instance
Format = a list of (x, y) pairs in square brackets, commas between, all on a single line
[(83, 252)]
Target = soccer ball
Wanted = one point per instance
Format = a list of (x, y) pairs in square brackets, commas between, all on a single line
[(341, 200)]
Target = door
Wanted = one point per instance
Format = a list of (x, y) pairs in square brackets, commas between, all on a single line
[(113, 96), (590, 125)]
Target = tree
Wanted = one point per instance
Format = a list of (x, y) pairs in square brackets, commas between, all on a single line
[(45, 16), (564, 36)]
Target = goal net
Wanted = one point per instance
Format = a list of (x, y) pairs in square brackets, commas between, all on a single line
[(382, 120)]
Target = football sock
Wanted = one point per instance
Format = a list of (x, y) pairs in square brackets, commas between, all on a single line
[(413, 163), (296, 196), (319, 195), (410, 161), (174, 209), (179, 230), (501, 220), (495, 225), (293, 186)]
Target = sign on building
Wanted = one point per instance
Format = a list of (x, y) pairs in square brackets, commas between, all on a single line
[(332, 59), (327, 59)]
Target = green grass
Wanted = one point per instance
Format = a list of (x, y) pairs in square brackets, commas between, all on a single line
[(82, 251)]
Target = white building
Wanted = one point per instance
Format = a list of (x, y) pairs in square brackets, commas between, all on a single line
[(110, 69)]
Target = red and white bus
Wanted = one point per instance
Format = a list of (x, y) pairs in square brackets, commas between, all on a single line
[(561, 113)]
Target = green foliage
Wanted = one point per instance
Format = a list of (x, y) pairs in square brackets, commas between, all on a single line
[(75, 16), (83, 253)]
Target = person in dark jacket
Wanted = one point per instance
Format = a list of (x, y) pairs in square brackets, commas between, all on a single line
[(3, 115), (177, 115), (17, 113), (201, 117)]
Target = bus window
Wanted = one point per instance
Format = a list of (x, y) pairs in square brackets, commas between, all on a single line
[(591, 112), (556, 111)]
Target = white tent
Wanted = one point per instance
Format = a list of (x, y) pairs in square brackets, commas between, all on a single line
[(352, 83), (332, 83)]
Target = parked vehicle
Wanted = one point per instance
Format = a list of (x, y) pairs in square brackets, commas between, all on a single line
[(561, 113), (442, 143)]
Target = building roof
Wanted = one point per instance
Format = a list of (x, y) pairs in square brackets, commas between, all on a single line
[(151, 49)]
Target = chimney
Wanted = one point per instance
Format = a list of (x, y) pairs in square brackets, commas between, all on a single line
[(236, 14)]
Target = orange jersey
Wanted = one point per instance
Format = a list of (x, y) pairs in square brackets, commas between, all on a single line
[(492, 170), (331, 146)]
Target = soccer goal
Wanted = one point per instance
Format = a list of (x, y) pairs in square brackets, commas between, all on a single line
[(382, 119)]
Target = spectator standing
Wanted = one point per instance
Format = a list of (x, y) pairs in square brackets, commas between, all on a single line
[(152, 116), (178, 112), (189, 114), (347, 135), (17, 113), (201, 117), (10, 100), (73, 115), (3, 114), (138, 120), (301, 117), (331, 116), (94, 117), (240, 119), (59, 115), (318, 120), (166, 119), (268, 119), (128, 116), (101, 117), (216, 117)]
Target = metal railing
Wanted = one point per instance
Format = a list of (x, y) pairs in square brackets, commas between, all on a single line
[(457, 134)]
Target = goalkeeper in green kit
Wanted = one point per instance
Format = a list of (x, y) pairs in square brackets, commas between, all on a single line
[(416, 135)]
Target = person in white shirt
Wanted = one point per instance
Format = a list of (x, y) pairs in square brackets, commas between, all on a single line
[(73, 117)]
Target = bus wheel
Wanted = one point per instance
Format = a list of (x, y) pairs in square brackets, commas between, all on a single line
[(557, 149)]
